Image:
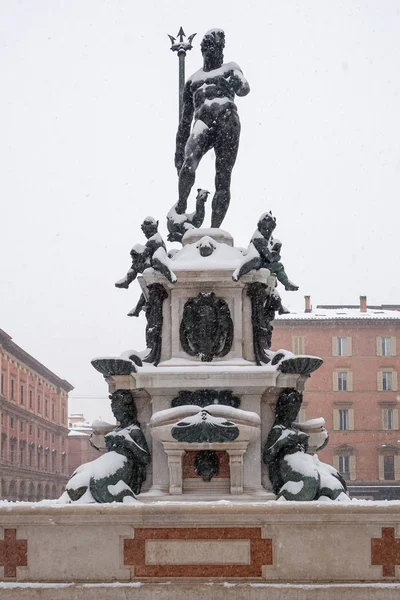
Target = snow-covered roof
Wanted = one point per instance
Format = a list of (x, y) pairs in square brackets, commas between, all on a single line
[(74, 433), (325, 313)]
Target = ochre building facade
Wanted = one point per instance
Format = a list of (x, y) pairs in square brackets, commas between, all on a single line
[(356, 389), (34, 426)]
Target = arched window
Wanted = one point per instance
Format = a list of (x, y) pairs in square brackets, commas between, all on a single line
[(39, 493), (47, 491), (12, 491), (21, 491), (31, 493)]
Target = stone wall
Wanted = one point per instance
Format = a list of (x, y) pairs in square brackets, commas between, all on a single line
[(273, 544)]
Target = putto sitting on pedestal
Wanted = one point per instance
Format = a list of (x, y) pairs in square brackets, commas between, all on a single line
[(264, 253), (143, 256)]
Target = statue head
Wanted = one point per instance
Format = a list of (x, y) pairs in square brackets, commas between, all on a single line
[(266, 224), (123, 407), (212, 47), (288, 406), (149, 227)]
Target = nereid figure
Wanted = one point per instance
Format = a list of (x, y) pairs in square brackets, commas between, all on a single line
[(119, 473)]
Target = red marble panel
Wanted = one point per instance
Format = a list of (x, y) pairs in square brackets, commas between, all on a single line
[(260, 552), (385, 551), (13, 553)]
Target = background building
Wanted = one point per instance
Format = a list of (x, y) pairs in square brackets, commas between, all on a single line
[(34, 426), (356, 389), (79, 448)]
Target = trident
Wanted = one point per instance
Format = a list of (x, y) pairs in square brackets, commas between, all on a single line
[(181, 47)]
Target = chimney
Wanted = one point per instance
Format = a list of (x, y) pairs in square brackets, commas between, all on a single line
[(363, 304), (307, 304)]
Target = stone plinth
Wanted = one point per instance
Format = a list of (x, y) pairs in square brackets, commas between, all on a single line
[(305, 550)]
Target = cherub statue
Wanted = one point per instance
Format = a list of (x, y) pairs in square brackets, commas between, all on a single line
[(264, 252), (294, 474), (117, 475), (142, 256)]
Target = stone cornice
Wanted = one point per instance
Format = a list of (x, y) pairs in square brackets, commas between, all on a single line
[(20, 354), (32, 418)]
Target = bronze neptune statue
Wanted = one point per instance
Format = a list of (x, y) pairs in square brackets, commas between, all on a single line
[(208, 99)]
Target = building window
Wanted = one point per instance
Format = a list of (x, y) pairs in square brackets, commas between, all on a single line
[(298, 344), (388, 467), (12, 392), (388, 418), (344, 467), (387, 381), (342, 381), (53, 461), (21, 455), (39, 403), (53, 411), (46, 461), (11, 451), (343, 419), (46, 407), (30, 398), (30, 429), (38, 459), (21, 426), (21, 394), (11, 422), (46, 435), (31, 457), (2, 384), (62, 415), (386, 346), (3, 442), (62, 442), (341, 346), (52, 438), (38, 432)]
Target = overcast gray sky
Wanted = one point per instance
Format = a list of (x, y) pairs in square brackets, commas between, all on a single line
[(88, 116)]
